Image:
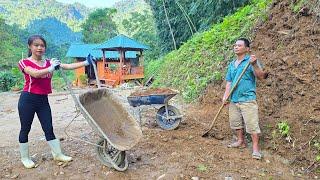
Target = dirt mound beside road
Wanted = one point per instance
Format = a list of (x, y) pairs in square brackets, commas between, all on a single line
[(289, 46), (289, 43)]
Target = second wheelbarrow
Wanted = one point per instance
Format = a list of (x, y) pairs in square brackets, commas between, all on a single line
[(168, 117)]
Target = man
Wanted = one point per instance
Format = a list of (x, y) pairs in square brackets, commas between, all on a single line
[(243, 108)]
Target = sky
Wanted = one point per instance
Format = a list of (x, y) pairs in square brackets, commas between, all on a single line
[(92, 3)]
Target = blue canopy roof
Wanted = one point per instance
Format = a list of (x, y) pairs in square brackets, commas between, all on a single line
[(121, 41), (82, 51)]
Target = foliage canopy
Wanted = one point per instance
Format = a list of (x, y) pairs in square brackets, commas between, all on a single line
[(201, 15), (99, 26)]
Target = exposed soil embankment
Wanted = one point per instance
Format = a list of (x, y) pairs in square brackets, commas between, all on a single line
[(288, 44)]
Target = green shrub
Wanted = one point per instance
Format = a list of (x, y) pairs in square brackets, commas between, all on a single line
[(58, 82), (83, 79), (284, 128), (19, 79), (11, 79), (317, 146), (7, 80)]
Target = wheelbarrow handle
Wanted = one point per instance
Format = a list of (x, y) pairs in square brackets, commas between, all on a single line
[(96, 74), (231, 91)]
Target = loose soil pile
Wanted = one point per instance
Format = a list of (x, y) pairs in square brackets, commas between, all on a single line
[(153, 91), (288, 44)]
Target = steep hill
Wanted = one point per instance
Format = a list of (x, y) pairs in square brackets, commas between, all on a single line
[(288, 45)]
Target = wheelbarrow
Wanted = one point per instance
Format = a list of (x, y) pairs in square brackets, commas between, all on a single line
[(168, 117), (117, 129)]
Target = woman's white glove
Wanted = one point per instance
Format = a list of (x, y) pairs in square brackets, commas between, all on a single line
[(55, 65)]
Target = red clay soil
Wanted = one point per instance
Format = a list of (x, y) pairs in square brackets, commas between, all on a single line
[(288, 44), (153, 91)]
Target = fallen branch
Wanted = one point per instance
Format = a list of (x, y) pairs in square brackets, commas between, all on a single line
[(308, 142), (313, 166)]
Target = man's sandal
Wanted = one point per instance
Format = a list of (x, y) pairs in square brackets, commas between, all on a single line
[(256, 155), (237, 145)]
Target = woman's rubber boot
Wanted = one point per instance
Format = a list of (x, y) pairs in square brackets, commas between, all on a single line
[(25, 158), (56, 151)]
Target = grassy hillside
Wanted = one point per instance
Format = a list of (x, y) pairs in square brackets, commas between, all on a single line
[(202, 59)]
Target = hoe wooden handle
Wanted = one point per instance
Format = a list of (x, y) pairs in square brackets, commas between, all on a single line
[(231, 91)]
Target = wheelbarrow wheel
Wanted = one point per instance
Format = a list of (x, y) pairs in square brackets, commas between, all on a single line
[(168, 123), (119, 157)]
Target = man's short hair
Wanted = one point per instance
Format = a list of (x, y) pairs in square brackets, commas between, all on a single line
[(246, 42)]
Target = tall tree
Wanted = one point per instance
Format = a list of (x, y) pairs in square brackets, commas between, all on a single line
[(141, 27), (99, 26), (187, 16)]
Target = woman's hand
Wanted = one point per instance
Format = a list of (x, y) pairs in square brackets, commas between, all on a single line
[(55, 65), (89, 60)]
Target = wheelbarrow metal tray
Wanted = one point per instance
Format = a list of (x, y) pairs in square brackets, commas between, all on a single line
[(111, 119), (150, 99)]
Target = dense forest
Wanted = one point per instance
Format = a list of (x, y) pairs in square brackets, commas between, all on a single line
[(177, 21)]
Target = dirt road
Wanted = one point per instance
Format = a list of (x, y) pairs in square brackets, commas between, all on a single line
[(177, 154)]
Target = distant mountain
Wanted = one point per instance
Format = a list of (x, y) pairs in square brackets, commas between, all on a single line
[(22, 12), (52, 28)]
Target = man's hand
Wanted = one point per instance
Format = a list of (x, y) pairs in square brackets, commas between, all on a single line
[(253, 60), (225, 101)]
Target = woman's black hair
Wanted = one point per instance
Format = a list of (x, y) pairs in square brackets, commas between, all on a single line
[(32, 38)]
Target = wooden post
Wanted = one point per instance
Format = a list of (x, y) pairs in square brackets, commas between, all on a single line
[(121, 64), (104, 60), (141, 59)]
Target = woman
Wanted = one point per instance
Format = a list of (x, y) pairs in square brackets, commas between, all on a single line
[(34, 97)]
